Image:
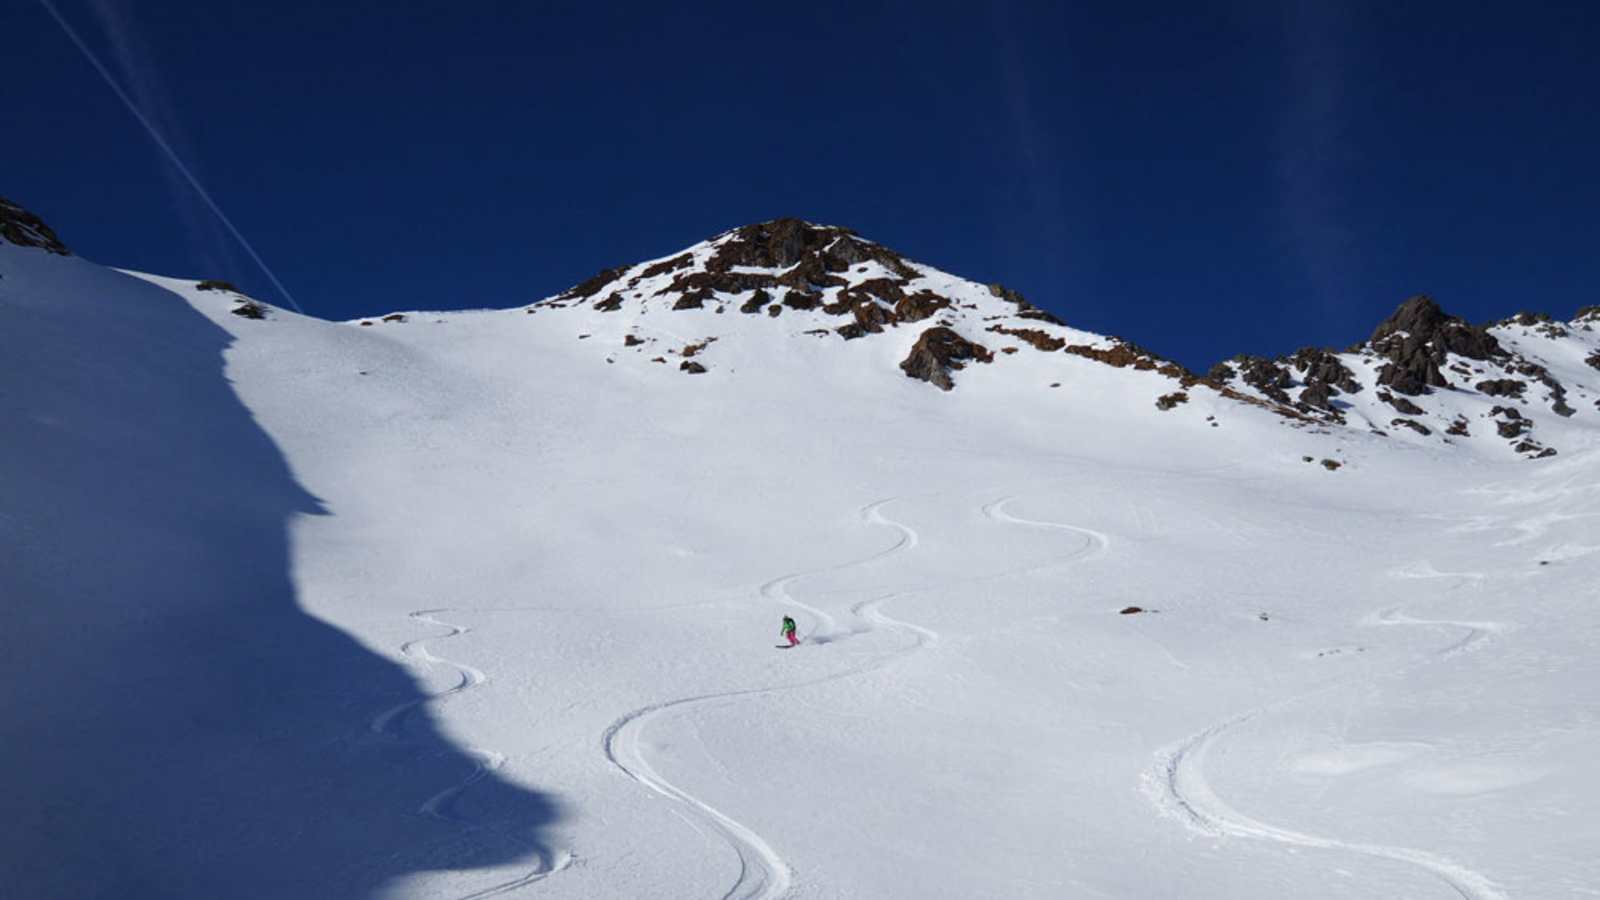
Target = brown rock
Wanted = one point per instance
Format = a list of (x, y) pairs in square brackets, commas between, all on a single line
[(921, 305), (1412, 424), (1034, 337), (760, 299), (938, 352), (593, 285), (668, 265), (802, 300), (1502, 387)]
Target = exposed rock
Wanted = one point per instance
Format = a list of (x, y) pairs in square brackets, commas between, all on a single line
[(1513, 426), (693, 349), (802, 300), (760, 299), (1401, 404), (1168, 401), (876, 289), (1222, 373), (250, 309), (1025, 309), (1594, 360), (872, 317), (1324, 367), (23, 228), (1587, 314), (1502, 387), (919, 306), (693, 368), (1318, 396), (689, 301), (938, 352), (1416, 340), (593, 284), (1265, 376), (1131, 610), (216, 284), (668, 265), (1331, 464), (1041, 340), (395, 317), (611, 303), (775, 310), (632, 341), (1458, 427), (1412, 424)]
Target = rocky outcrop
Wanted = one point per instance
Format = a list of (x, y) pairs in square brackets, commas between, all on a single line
[(1034, 337), (592, 285), (940, 351), (1025, 309), (1416, 340), (1502, 387), (919, 306), (24, 229)]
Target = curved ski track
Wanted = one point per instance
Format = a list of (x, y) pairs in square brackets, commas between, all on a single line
[(763, 874), (391, 723), (1098, 541), (1177, 785)]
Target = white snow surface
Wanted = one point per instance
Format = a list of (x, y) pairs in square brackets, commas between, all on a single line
[(486, 604)]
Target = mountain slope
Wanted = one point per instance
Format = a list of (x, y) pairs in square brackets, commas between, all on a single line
[(1366, 679)]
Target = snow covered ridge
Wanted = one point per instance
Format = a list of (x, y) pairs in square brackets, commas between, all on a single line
[(1523, 383), (1524, 386), (820, 281), (1492, 387)]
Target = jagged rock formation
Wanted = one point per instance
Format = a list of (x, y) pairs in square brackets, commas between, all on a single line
[(24, 229), (938, 352), (1458, 372), (1417, 339)]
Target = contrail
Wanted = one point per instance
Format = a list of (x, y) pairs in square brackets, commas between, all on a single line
[(167, 149)]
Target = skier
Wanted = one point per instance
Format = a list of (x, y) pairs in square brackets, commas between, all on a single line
[(789, 631)]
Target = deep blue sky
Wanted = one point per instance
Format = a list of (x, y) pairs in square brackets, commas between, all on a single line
[(1203, 179)]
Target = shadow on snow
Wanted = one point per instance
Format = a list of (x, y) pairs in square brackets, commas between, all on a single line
[(172, 723)]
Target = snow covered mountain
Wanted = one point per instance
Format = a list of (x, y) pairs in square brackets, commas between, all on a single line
[(473, 604)]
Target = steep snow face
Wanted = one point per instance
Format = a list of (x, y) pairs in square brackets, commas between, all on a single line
[(478, 604)]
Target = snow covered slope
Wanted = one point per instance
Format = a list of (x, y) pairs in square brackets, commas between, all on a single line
[(473, 604)]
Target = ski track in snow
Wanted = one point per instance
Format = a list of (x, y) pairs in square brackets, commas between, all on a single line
[(1098, 541), (1177, 784), (763, 874), (391, 723)]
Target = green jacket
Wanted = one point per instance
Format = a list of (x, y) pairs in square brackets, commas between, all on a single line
[(788, 625)]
